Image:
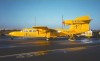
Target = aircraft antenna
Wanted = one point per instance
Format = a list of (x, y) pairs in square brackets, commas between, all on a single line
[(62, 21), (35, 20)]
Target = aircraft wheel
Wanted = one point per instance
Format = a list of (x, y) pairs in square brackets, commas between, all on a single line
[(47, 39), (12, 38)]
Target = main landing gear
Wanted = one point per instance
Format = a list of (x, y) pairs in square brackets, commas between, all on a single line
[(47, 39), (12, 38)]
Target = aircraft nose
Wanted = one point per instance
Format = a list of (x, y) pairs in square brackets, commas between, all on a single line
[(11, 33)]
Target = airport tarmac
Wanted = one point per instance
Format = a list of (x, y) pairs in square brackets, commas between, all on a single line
[(53, 50)]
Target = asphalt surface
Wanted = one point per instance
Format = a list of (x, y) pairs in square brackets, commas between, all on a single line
[(53, 50)]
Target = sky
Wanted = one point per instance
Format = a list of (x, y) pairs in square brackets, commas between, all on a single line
[(18, 14)]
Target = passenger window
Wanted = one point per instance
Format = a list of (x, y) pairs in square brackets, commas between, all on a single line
[(34, 30), (30, 30)]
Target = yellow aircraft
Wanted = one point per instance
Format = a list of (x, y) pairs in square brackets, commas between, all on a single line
[(77, 26), (36, 31)]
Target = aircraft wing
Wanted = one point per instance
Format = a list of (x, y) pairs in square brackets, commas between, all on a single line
[(44, 28), (40, 27)]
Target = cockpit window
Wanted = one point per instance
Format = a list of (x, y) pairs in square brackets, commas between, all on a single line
[(34, 30), (24, 30)]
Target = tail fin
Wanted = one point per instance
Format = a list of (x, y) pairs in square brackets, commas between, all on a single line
[(79, 25)]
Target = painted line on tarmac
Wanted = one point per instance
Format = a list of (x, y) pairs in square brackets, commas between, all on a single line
[(14, 46), (23, 55), (41, 53)]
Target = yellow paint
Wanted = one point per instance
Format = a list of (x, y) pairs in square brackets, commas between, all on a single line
[(77, 26), (39, 31)]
